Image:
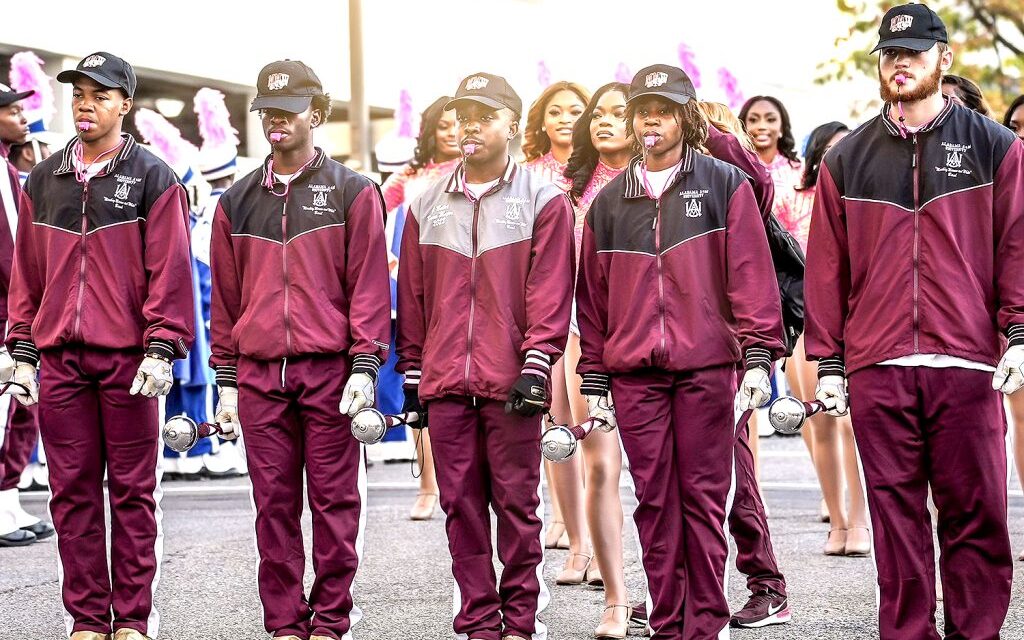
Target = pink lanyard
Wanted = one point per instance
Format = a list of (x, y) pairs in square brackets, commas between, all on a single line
[(82, 174), (288, 185)]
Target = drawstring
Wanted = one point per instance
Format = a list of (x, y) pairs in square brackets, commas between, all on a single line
[(420, 453), (269, 184), (82, 174)]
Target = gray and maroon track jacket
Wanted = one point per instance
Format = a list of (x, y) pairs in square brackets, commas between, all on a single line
[(299, 274), (679, 283), (484, 286), (104, 263), (917, 243)]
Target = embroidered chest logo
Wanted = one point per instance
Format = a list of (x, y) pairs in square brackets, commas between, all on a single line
[(277, 81), (656, 79), (439, 215), (93, 61), (320, 205), (122, 191), (957, 160), (694, 201), (514, 213), (900, 23), (476, 82)]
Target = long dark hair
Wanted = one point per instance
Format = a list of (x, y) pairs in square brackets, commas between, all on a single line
[(786, 143), (584, 156), (816, 145), (1016, 104), (426, 141), (969, 93), (535, 139)]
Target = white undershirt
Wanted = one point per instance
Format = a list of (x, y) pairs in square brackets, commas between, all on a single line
[(283, 178), (480, 189), (91, 171), (657, 180)]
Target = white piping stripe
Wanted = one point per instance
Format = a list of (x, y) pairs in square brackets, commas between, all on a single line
[(326, 226), (248, 235), (481, 252), (877, 202), (444, 246), (113, 224), (153, 623), (706, 233), (56, 228), (69, 620), (638, 253), (540, 630), (952, 193), (723, 634), (356, 614)]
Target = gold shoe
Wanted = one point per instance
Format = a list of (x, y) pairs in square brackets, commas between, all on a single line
[(856, 548), (553, 537), (129, 634), (89, 635), (318, 637), (287, 638), (423, 508), (594, 577), (611, 628), (836, 544), (570, 574)]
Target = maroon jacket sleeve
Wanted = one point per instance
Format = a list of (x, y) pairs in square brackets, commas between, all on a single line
[(367, 283), (592, 312), (7, 241), (752, 287), (169, 309), (1008, 225), (393, 189), (412, 324), (725, 147), (827, 278), (549, 286), (26, 285), (225, 300)]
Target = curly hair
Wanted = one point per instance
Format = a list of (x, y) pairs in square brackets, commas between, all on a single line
[(426, 140), (969, 93), (688, 116), (723, 119), (584, 156), (322, 103), (816, 144), (536, 141), (786, 143)]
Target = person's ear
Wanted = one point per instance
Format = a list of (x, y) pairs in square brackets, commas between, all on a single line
[(316, 118), (126, 106), (946, 61), (513, 130)]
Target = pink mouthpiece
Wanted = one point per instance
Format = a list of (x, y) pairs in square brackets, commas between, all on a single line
[(276, 136), (469, 148), (84, 126), (650, 141), (900, 79)]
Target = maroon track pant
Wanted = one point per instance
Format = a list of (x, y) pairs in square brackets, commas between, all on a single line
[(917, 426), (484, 458), (16, 450), (289, 428), (89, 424), (679, 434)]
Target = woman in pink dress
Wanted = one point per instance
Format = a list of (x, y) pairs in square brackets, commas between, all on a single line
[(436, 155), (601, 151), (547, 137), (767, 123)]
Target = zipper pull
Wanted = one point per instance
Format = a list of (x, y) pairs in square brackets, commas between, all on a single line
[(654, 223), (284, 366)]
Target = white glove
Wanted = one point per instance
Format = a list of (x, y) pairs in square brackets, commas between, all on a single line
[(7, 365), (1008, 377), (358, 394), (25, 375), (153, 379), (601, 408), (226, 415), (831, 392), (754, 391)]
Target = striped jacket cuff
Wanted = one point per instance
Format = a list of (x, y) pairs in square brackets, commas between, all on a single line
[(25, 351), (412, 379), (537, 364), (831, 366), (1015, 334), (758, 357), (595, 384), (366, 363), (227, 375), (161, 348)]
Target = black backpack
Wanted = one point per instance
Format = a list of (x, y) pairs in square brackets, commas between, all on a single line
[(789, 270)]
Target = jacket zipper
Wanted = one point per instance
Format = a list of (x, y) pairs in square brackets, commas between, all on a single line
[(917, 251), (81, 268), (661, 275), (472, 292), (284, 267)]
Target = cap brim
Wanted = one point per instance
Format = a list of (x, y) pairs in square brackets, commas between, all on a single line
[(914, 44), (70, 75), (11, 98), (487, 102), (291, 104), (677, 98)]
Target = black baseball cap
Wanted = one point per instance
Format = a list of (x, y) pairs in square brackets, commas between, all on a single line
[(664, 81), (288, 85), (106, 69), (910, 26), (10, 96), (487, 89)]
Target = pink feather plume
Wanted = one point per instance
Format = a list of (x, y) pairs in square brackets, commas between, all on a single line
[(27, 74), (686, 61), (165, 138), (731, 86), (623, 74), (405, 115), (214, 120), (543, 74)]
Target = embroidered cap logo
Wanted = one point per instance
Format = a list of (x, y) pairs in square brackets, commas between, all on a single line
[(93, 61), (277, 81), (900, 23), (656, 79), (476, 82)]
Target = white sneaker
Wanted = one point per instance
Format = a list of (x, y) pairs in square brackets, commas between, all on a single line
[(190, 468), (219, 464), (10, 503)]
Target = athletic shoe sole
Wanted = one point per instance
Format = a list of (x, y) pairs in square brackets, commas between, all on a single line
[(782, 617)]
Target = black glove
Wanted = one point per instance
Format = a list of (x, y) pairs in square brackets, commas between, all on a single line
[(412, 403), (528, 397)]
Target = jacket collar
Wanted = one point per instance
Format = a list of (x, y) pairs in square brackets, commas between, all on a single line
[(318, 161), (634, 187), (457, 181), (67, 160), (936, 122)]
